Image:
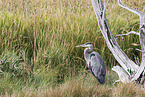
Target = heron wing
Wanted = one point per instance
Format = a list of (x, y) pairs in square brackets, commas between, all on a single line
[(97, 67)]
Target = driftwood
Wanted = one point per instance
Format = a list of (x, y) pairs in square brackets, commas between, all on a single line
[(128, 70)]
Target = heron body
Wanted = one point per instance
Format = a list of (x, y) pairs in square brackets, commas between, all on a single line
[(95, 62)]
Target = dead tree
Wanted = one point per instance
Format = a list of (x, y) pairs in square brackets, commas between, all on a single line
[(128, 71)]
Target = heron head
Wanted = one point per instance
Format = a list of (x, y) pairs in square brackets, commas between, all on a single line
[(88, 44)]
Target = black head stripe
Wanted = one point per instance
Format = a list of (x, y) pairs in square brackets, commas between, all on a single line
[(87, 43)]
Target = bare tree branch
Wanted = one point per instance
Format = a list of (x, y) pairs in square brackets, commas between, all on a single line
[(141, 37), (142, 43), (120, 56), (140, 50), (131, 70), (131, 32), (137, 60), (128, 8), (116, 82), (122, 74)]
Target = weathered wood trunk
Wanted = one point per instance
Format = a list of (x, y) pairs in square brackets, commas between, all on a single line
[(128, 70), (142, 42)]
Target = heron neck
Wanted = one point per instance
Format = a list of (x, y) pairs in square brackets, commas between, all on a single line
[(86, 53)]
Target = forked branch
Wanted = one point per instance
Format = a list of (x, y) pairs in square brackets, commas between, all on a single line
[(130, 9), (141, 38), (128, 68), (128, 65)]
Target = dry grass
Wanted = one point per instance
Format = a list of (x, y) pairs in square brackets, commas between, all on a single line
[(76, 88), (128, 90), (43, 34), (80, 86)]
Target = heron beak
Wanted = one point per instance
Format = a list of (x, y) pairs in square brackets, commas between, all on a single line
[(80, 45)]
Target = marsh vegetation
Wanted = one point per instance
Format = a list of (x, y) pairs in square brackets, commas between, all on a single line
[(37, 48)]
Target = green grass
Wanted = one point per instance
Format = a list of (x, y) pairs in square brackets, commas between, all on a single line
[(37, 50)]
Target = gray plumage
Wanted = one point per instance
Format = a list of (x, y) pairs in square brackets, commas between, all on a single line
[(95, 62)]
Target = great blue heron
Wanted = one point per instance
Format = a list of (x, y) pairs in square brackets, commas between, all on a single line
[(95, 62)]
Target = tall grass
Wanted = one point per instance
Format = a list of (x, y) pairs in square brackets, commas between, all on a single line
[(42, 35)]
